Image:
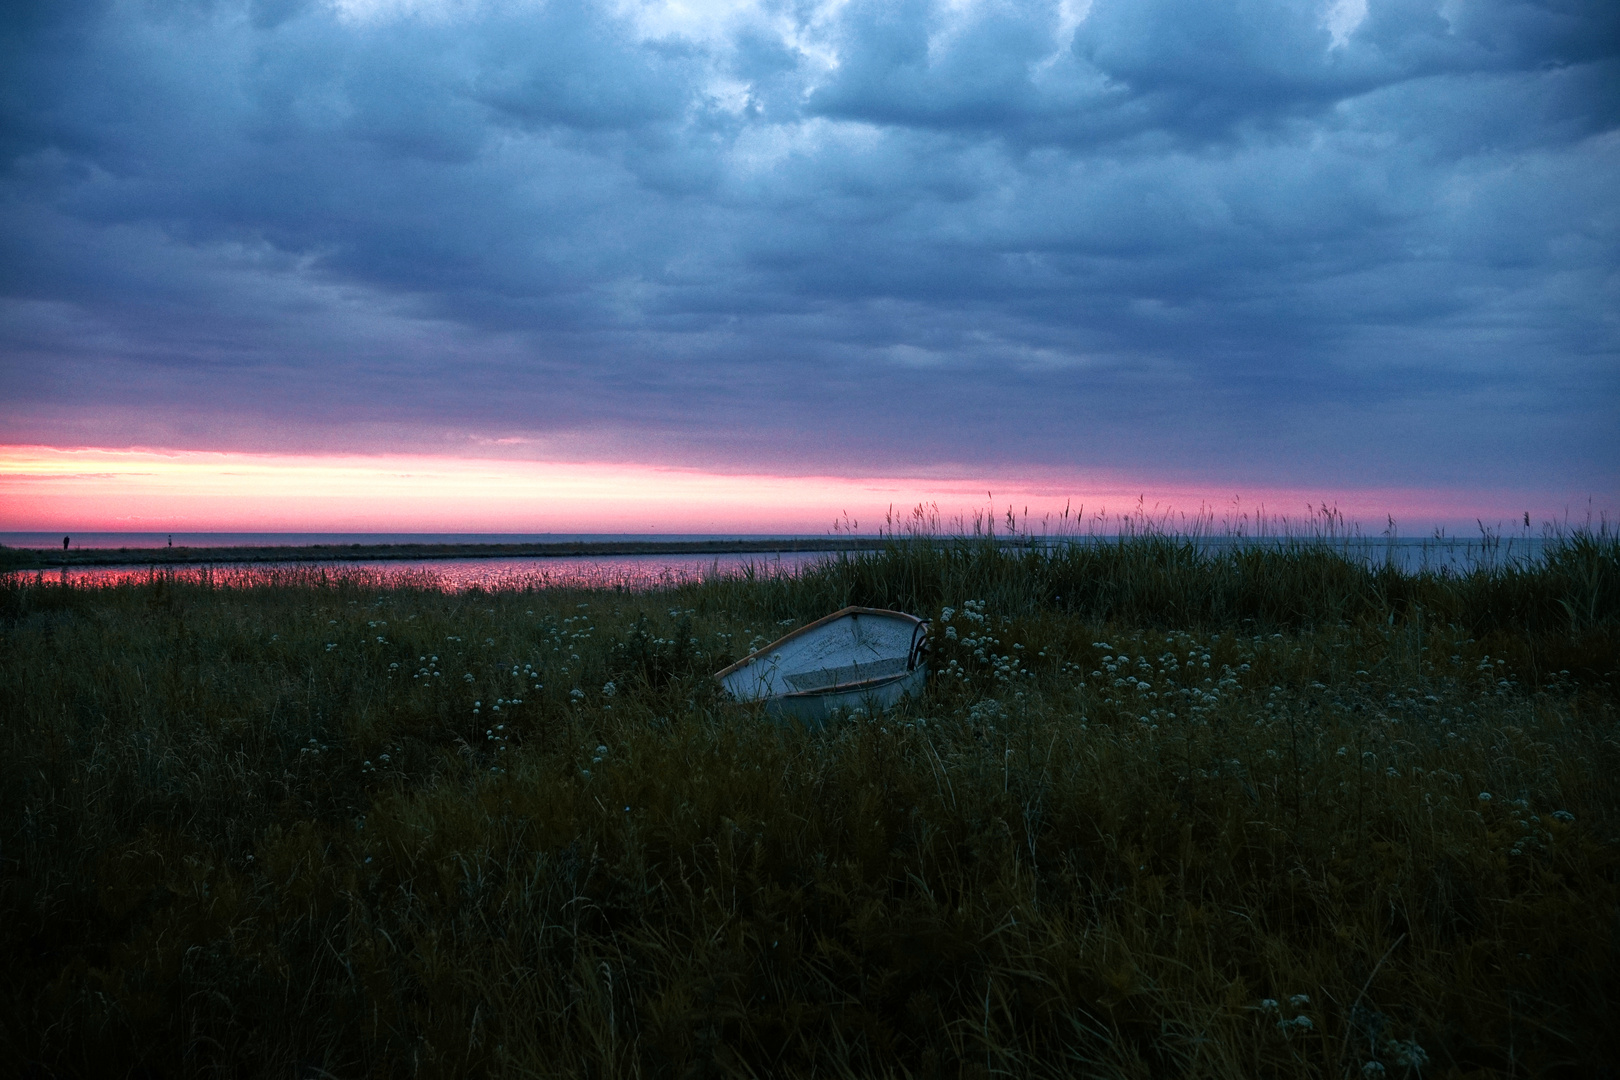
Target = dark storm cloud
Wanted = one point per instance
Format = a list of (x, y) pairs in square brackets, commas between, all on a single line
[(1256, 242)]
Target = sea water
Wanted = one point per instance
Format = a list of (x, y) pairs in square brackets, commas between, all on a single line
[(629, 572), (1435, 554)]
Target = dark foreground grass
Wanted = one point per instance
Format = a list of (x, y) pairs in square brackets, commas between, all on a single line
[(1161, 812)]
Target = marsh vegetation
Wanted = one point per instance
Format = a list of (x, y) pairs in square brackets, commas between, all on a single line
[(1162, 811)]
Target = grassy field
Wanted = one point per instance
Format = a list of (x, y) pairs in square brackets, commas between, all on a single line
[(1161, 812)]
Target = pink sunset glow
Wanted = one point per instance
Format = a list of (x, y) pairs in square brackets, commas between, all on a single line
[(98, 489)]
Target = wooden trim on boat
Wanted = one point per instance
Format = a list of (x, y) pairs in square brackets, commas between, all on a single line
[(806, 628), (845, 688)]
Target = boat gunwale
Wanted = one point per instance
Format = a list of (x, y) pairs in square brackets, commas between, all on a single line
[(720, 676)]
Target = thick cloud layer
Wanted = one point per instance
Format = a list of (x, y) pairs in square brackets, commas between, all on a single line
[(1260, 241)]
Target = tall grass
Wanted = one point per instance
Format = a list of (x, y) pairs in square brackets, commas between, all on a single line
[(1169, 581), (1163, 810)]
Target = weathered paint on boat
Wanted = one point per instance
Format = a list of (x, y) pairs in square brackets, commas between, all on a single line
[(855, 658)]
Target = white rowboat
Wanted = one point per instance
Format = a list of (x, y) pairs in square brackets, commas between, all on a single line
[(855, 658)]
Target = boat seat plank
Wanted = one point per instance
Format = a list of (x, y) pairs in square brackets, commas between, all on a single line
[(849, 673)]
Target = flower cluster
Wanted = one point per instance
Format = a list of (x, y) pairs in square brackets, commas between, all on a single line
[(567, 635), (369, 767), (1154, 687), (1288, 1025), (597, 758), (527, 673), (497, 739), (1374, 1027), (978, 649)]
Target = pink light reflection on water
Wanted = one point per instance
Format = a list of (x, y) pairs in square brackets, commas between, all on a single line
[(635, 573)]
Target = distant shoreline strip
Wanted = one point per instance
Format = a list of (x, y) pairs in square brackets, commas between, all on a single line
[(37, 559)]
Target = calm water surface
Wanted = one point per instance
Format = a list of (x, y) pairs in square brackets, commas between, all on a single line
[(635, 572), (642, 572)]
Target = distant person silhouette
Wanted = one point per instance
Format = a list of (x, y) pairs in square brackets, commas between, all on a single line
[(64, 543)]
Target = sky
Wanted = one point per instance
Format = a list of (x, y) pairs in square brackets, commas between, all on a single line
[(556, 266)]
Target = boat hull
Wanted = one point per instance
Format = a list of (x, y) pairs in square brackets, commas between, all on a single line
[(857, 658)]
